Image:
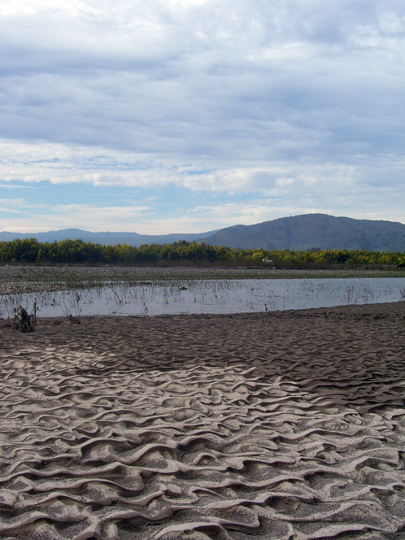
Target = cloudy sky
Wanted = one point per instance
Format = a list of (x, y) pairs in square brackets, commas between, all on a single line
[(192, 115)]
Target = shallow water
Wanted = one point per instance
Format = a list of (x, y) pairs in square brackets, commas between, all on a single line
[(208, 296)]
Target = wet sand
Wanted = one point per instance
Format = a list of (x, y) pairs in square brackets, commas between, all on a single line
[(273, 425)]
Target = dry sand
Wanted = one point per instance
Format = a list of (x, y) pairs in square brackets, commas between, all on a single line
[(274, 426)]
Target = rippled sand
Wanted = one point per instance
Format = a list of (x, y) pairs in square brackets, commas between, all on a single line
[(274, 426)]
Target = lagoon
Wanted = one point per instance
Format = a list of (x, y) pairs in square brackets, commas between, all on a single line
[(216, 296)]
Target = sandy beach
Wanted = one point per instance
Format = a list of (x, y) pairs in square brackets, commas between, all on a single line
[(282, 425)]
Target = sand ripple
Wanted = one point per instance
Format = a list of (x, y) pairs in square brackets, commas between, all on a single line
[(92, 447)]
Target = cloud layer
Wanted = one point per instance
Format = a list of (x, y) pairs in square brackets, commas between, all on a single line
[(295, 105)]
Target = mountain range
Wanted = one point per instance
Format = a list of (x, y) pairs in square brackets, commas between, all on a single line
[(314, 231), (106, 238), (308, 231)]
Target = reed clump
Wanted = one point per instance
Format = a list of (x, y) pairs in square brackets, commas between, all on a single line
[(23, 321)]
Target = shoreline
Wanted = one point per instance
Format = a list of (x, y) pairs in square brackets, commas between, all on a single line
[(206, 296), (278, 313), (23, 279)]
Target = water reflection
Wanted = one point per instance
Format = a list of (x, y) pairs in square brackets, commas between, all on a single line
[(208, 296)]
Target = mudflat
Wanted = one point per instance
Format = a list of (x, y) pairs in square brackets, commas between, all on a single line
[(275, 425)]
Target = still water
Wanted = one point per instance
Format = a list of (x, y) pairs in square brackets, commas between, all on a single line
[(208, 296)]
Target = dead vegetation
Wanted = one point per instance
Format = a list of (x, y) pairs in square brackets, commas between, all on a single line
[(23, 321)]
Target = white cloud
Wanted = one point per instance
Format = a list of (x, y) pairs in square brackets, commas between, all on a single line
[(45, 217), (12, 206), (71, 164)]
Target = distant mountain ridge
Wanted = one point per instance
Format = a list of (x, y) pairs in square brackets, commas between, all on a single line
[(106, 238), (314, 231), (297, 232)]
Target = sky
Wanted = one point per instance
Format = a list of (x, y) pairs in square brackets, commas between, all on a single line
[(193, 115)]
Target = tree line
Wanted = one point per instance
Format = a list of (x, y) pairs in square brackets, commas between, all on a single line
[(182, 252)]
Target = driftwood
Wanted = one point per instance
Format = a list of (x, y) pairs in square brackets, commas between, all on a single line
[(23, 322)]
